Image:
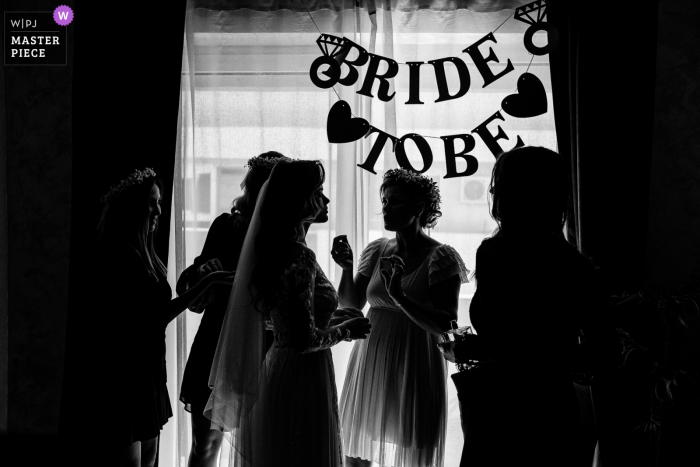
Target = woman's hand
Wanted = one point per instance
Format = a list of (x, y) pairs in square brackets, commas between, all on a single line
[(342, 253), (448, 350), (393, 282), (359, 327), (343, 314), (467, 348), (210, 266), (220, 277)]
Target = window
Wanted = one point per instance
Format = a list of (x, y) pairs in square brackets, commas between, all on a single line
[(198, 194), (229, 187), (252, 94)]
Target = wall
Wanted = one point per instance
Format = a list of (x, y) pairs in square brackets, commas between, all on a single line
[(70, 132), (4, 311), (673, 245), (38, 151), (673, 241)]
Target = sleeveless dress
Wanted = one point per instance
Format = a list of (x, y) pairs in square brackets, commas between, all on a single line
[(394, 401), (300, 409)]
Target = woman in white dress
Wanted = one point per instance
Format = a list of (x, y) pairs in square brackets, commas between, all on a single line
[(393, 404), (281, 409)]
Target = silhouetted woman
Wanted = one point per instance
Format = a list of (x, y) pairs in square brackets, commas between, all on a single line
[(534, 293), (129, 393), (220, 252), (394, 401)]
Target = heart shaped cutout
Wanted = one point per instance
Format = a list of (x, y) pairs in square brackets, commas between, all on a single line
[(530, 101), (342, 127)]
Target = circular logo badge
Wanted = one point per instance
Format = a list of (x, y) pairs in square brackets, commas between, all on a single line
[(63, 15)]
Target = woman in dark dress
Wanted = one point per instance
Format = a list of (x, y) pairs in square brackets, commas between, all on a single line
[(220, 252), (135, 308), (535, 292)]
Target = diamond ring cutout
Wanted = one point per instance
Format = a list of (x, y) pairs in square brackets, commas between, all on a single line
[(331, 45), (538, 8)]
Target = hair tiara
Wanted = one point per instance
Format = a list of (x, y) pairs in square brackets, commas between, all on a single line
[(266, 162), (409, 177), (134, 179)]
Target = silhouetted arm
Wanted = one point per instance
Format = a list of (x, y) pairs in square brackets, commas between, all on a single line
[(352, 291), (182, 302), (446, 273), (434, 319), (213, 248), (299, 288)]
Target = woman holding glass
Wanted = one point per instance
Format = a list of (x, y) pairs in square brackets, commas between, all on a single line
[(393, 404)]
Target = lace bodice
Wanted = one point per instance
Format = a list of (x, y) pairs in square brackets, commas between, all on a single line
[(307, 299)]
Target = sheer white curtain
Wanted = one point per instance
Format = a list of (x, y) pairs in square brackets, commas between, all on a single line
[(246, 90)]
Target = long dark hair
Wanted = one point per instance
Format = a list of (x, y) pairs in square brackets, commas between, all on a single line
[(290, 202), (125, 217), (530, 191), (252, 183)]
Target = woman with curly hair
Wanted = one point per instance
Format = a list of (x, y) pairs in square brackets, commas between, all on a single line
[(393, 404)]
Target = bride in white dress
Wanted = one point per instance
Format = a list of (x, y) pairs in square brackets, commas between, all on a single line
[(281, 408)]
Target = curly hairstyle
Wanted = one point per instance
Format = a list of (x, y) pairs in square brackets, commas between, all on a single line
[(257, 174), (290, 202), (530, 189), (125, 216), (420, 188)]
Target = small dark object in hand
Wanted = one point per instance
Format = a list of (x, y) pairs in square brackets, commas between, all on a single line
[(457, 334)]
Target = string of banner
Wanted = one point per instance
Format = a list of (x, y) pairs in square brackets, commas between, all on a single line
[(529, 100)]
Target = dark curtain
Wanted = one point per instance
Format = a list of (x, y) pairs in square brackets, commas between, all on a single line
[(35, 161), (128, 61), (603, 79)]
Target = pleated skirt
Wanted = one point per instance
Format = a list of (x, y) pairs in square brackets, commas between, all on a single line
[(393, 407)]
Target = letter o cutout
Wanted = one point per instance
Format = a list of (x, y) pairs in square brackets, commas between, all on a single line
[(333, 72), (423, 147), (552, 38)]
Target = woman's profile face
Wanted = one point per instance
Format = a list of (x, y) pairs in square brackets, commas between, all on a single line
[(322, 201), (398, 209), (153, 207)]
